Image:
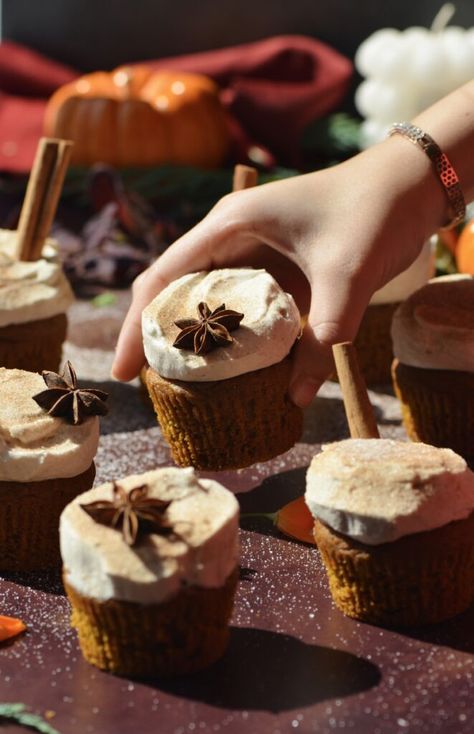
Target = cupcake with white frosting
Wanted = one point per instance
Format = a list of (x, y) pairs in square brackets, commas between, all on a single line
[(373, 341), (150, 568), (34, 298), (218, 350), (433, 371), (394, 522), (49, 435)]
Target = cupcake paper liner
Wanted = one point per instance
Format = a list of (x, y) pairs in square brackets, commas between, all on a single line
[(29, 520), (183, 634), (33, 346), (418, 579), (437, 406), (227, 424)]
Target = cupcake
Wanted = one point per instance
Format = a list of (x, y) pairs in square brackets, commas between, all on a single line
[(394, 524), (150, 569), (373, 341), (433, 371), (218, 349), (34, 297), (46, 459)]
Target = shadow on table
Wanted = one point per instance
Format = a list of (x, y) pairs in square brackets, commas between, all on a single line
[(130, 408), (325, 421), (274, 672), (457, 633), (274, 492), (383, 388), (49, 581)]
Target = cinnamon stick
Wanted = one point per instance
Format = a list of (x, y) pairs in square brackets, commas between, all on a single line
[(42, 196), (244, 177), (359, 412)]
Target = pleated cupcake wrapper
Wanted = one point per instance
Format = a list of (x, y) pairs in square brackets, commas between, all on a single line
[(373, 344), (227, 424), (29, 520), (437, 406), (184, 634), (419, 579), (33, 346)]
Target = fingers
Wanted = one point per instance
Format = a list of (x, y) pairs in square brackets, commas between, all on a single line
[(337, 308), (196, 250), (129, 355)]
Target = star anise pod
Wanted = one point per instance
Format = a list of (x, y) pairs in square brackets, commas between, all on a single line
[(65, 400), (131, 512), (211, 330)]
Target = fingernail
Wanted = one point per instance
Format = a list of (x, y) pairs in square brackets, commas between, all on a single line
[(302, 392)]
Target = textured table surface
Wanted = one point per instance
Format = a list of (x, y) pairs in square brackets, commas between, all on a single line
[(294, 663)]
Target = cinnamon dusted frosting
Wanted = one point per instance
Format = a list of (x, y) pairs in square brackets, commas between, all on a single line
[(30, 291), (414, 277), (268, 330), (378, 490), (34, 446), (99, 564), (434, 328)]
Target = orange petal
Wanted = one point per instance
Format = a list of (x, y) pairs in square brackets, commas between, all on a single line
[(295, 520), (10, 627)]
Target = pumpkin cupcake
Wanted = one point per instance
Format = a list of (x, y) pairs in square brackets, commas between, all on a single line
[(394, 523), (433, 371), (218, 348), (48, 440), (34, 298), (373, 341), (150, 569)]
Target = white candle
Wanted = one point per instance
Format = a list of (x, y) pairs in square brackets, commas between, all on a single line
[(408, 70)]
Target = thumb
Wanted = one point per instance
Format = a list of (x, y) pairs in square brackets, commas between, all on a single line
[(336, 310)]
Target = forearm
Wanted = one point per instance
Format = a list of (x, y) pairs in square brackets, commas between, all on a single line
[(343, 231), (451, 123), (396, 170)]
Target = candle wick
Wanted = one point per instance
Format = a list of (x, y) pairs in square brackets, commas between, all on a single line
[(442, 17)]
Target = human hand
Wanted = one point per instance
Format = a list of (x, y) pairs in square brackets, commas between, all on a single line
[(331, 238)]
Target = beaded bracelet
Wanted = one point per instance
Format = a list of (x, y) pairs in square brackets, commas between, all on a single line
[(444, 170)]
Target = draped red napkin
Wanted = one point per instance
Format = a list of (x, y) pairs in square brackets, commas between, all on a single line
[(272, 89)]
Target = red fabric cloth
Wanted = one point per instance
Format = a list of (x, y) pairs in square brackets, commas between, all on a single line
[(27, 79), (272, 89)]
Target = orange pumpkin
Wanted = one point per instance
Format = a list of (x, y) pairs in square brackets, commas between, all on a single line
[(140, 117), (465, 249)]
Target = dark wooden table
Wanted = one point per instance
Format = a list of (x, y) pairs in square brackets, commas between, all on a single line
[(294, 664)]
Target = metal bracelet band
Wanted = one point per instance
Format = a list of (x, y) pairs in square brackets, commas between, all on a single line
[(444, 170)]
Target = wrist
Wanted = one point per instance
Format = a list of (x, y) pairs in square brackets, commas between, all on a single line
[(441, 166), (451, 123), (413, 187)]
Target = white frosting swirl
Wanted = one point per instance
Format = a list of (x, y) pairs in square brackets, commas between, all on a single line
[(34, 446), (265, 336), (100, 565), (30, 291), (434, 328), (378, 490), (404, 284)]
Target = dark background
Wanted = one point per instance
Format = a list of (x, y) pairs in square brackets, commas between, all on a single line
[(94, 34)]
